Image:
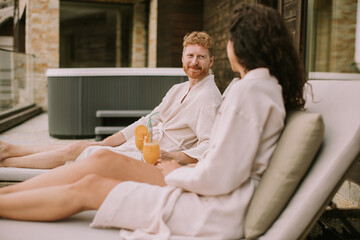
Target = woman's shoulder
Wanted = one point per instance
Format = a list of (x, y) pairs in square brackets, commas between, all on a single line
[(260, 89), (257, 80)]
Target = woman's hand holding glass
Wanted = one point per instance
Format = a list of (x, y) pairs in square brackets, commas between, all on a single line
[(179, 156), (167, 166)]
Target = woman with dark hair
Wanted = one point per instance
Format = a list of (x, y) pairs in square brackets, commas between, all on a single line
[(266, 43), (208, 200)]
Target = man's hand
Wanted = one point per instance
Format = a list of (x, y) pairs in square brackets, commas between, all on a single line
[(167, 166), (180, 157), (113, 141)]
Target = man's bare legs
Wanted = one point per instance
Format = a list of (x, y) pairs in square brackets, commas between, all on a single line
[(57, 202), (49, 156), (43, 157), (11, 150), (104, 163)]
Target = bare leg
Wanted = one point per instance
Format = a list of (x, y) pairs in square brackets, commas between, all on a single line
[(44, 159), (57, 202), (103, 162), (10, 150)]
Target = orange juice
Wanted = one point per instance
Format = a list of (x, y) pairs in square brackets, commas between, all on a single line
[(151, 151)]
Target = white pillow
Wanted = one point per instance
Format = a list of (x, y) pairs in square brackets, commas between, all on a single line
[(297, 147)]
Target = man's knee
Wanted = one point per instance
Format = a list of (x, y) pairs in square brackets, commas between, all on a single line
[(76, 146), (100, 157), (103, 154), (74, 149)]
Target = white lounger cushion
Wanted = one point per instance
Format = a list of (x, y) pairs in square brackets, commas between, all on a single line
[(337, 102), (73, 228), (12, 174), (293, 155)]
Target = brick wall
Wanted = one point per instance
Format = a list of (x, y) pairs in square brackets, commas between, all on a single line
[(175, 19), (333, 37), (152, 33), (42, 40), (342, 49), (216, 22), (139, 35)]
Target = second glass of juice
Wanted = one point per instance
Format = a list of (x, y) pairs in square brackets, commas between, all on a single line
[(151, 150)]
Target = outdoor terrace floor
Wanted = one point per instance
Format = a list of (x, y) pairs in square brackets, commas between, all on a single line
[(33, 131)]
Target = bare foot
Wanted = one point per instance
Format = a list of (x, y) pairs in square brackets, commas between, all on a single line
[(4, 148)]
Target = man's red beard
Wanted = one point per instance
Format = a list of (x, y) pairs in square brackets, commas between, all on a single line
[(198, 74)]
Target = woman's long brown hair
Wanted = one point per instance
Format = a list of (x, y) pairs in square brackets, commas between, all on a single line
[(261, 39)]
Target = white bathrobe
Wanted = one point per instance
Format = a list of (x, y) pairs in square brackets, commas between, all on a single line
[(181, 125), (210, 200)]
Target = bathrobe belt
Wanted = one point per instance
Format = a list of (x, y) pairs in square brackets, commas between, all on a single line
[(159, 131)]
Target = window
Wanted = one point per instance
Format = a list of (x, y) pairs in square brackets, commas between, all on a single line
[(95, 34), (333, 42)]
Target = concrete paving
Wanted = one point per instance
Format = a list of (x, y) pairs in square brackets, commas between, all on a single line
[(33, 132)]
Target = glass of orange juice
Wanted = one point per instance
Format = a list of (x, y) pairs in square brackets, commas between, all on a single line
[(151, 150)]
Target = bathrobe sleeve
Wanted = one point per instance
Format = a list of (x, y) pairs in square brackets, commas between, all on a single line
[(235, 122), (207, 178), (205, 121)]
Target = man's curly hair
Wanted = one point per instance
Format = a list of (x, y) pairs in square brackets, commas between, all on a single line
[(200, 38)]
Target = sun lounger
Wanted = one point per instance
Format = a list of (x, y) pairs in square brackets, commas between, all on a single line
[(74, 228), (336, 101)]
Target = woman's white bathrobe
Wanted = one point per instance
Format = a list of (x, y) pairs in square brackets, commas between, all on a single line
[(208, 201), (182, 125)]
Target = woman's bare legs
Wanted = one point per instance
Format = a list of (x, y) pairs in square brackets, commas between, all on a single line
[(42, 157), (73, 188), (104, 163), (57, 202)]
